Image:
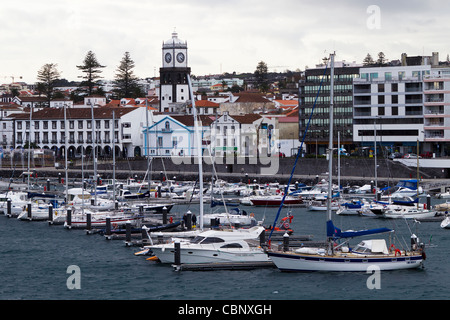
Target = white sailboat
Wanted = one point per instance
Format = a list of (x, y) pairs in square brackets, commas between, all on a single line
[(335, 256)]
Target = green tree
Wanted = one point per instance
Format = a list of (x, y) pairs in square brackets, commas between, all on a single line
[(381, 59), (91, 69), (125, 80), (261, 76), (47, 78), (368, 60)]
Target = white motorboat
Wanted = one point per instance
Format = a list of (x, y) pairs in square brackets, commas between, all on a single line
[(78, 197), (212, 246), (234, 217), (18, 199), (445, 224)]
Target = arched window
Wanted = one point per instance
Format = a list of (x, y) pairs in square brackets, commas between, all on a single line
[(167, 126)]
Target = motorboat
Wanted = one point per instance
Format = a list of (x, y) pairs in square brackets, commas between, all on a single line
[(213, 246), (19, 200), (236, 217)]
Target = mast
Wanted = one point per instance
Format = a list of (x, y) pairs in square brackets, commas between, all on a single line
[(94, 154), (65, 153), (199, 151), (114, 157), (330, 147)]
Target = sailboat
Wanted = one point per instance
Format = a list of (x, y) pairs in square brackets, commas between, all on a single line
[(336, 256)]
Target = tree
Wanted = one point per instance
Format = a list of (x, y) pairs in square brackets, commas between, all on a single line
[(261, 76), (125, 80), (381, 59), (47, 78), (368, 60), (91, 69)]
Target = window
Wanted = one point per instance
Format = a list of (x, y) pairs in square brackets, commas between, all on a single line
[(36, 124), (19, 125), (160, 141), (80, 124), (381, 111), (381, 87), (71, 124), (167, 126), (395, 111), (394, 87), (54, 124), (106, 124), (394, 99), (45, 124), (380, 99)]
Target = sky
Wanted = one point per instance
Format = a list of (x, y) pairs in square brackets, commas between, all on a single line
[(222, 36)]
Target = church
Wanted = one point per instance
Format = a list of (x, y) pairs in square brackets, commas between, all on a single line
[(174, 88)]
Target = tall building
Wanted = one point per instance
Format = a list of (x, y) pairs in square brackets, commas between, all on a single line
[(388, 107), (317, 137), (174, 87)]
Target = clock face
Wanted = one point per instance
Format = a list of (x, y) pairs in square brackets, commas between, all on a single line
[(180, 57), (168, 57)]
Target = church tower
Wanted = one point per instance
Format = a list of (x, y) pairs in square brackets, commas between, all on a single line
[(174, 89)]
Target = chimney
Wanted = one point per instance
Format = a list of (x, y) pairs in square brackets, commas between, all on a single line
[(435, 59), (404, 59)]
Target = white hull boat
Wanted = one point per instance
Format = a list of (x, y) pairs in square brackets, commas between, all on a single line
[(215, 246)]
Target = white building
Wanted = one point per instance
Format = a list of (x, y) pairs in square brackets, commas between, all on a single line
[(174, 135), (243, 135), (48, 130), (388, 104)]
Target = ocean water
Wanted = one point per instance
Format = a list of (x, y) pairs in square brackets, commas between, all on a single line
[(34, 260)]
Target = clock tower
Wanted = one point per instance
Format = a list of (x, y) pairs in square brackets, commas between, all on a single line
[(174, 87)]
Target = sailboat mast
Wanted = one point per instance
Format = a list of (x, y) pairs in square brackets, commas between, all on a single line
[(199, 151), (330, 146)]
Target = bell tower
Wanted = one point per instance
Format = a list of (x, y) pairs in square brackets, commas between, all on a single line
[(174, 87)]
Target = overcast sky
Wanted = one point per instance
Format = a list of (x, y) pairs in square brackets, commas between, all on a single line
[(222, 36)]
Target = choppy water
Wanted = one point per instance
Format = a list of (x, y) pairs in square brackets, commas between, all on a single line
[(34, 258)]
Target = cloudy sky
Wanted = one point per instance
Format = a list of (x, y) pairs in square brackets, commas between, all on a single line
[(222, 36)]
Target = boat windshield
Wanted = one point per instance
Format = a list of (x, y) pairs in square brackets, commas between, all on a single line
[(205, 240)]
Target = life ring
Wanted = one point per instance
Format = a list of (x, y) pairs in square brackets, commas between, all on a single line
[(286, 225), (115, 225), (252, 215), (396, 250)]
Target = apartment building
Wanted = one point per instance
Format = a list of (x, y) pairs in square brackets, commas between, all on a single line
[(436, 107), (389, 107), (317, 137)]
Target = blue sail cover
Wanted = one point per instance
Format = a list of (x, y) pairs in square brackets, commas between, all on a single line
[(336, 233), (410, 184)]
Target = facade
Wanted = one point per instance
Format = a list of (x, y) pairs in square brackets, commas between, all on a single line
[(48, 130), (174, 87), (389, 105), (436, 111), (243, 135), (316, 139), (174, 135)]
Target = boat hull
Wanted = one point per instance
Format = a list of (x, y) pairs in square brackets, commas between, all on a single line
[(195, 256), (289, 262)]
